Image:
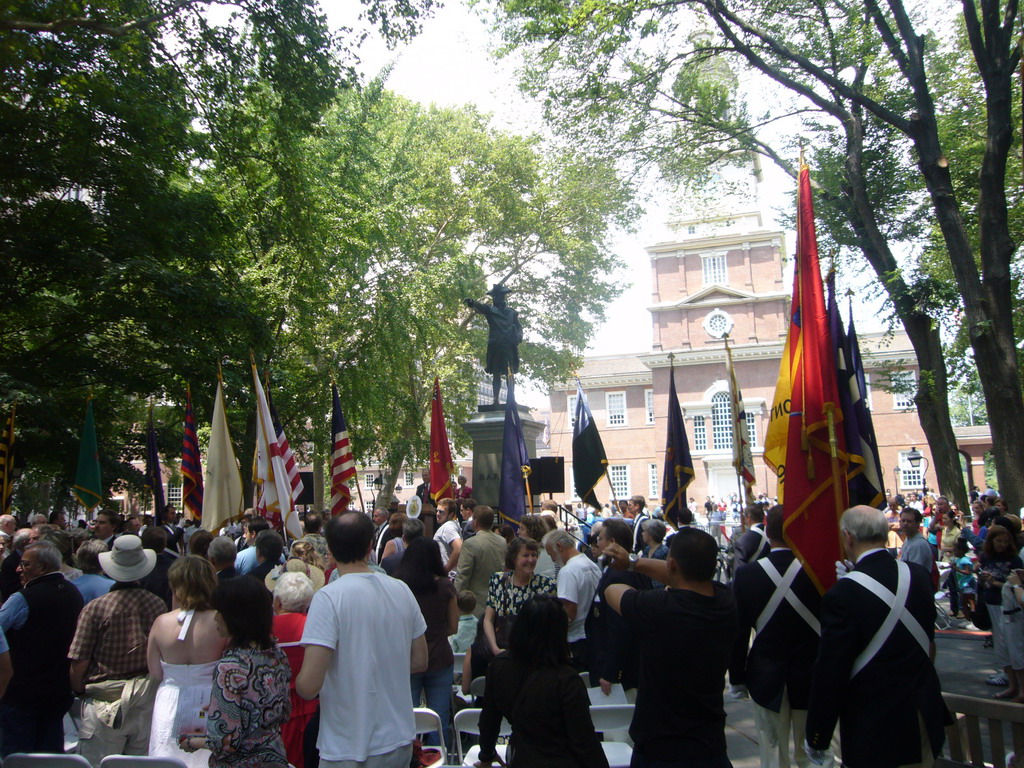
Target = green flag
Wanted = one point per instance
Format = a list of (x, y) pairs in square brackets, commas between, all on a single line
[(88, 489)]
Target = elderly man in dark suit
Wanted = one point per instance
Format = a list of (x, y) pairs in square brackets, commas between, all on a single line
[(875, 671), (777, 600)]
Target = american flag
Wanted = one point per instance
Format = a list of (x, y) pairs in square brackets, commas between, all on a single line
[(191, 472), (286, 452), (343, 463)]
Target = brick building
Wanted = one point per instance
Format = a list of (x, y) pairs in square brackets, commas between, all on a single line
[(724, 276)]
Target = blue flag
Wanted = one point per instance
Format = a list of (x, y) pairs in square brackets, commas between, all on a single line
[(589, 461), (872, 486), (860, 479), (154, 478), (678, 462), (515, 465)]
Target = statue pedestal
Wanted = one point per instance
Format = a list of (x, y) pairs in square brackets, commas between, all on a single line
[(487, 429)]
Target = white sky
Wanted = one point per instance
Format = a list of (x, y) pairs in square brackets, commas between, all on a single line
[(450, 63)]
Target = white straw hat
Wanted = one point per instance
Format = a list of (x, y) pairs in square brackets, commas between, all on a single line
[(127, 560)]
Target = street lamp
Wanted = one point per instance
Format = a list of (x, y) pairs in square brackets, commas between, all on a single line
[(896, 480), (378, 483), (914, 458)]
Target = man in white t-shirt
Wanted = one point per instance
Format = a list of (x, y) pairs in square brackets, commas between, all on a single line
[(577, 583), (449, 534), (364, 636)]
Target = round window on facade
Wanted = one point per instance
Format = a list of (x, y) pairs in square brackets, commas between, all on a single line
[(717, 324)]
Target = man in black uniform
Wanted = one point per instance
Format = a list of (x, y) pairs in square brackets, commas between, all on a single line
[(776, 599), (753, 544), (503, 338), (875, 671)]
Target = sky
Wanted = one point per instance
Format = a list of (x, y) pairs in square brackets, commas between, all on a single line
[(450, 63)]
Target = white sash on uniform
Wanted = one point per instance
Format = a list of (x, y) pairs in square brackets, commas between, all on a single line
[(784, 591), (897, 613)]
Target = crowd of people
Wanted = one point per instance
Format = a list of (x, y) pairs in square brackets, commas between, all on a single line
[(142, 636)]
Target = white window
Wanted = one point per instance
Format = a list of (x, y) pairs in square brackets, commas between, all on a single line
[(653, 482), (714, 269), (649, 402), (904, 382), (408, 478), (174, 495), (615, 403), (572, 410), (691, 230), (619, 474), (910, 477), (721, 421), (368, 481), (752, 429), (700, 434)]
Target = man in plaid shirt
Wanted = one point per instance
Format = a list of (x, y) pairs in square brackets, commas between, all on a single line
[(108, 657)]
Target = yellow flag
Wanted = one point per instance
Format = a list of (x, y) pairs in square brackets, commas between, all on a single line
[(223, 495), (777, 435)]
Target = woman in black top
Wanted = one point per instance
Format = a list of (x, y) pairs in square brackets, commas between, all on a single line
[(997, 561), (535, 687)]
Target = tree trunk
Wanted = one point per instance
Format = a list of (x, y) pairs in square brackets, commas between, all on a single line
[(987, 298), (932, 398)]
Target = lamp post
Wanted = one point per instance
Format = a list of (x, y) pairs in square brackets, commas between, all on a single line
[(896, 480), (914, 458), (378, 483)]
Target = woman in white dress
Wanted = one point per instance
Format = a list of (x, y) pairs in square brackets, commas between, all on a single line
[(184, 648)]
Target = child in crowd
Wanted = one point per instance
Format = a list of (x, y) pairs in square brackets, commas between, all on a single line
[(965, 581), (462, 639)]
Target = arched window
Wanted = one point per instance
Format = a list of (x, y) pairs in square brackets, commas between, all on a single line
[(721, 422)]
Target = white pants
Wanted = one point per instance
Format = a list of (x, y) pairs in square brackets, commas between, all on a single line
[(774, 730), (399, 758)]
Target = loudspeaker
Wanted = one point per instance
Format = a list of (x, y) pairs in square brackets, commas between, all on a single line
[(547, 475), (306, 497)]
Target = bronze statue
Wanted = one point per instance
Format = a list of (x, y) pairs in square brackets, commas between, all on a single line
[(503, 336)]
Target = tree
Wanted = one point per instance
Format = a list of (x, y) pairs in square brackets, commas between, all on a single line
[(405, 210), (861, 76), (122, 275)]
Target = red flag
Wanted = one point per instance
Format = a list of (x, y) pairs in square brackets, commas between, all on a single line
[(343, 463), (812, 464), (441, 465)]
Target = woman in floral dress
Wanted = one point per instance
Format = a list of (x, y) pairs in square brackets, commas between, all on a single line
[(250, 700)]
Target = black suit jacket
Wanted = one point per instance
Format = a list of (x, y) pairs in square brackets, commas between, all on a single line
[(751, 546), (10, 579), (782, 654), (878, 709)]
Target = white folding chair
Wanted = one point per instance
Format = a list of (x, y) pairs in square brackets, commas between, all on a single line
[(616, 696), (468, 721), (428, 721), (613, 721), (477, 686), (133, 761), (44, 760)]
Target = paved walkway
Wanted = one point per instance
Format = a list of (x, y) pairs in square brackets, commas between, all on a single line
[(962, 661)]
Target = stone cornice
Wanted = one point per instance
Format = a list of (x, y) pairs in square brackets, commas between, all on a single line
[(718, 300), (715, 354), (698, 245)]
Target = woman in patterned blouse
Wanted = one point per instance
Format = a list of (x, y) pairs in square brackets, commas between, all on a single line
[(509, 590), (250, 699)]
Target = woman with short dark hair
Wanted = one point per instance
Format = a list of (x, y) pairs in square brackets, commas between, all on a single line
[(422, 570), (250, 700), (536, 688)]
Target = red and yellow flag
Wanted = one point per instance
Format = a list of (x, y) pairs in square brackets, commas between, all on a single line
[(804, 443), (441, 464)]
